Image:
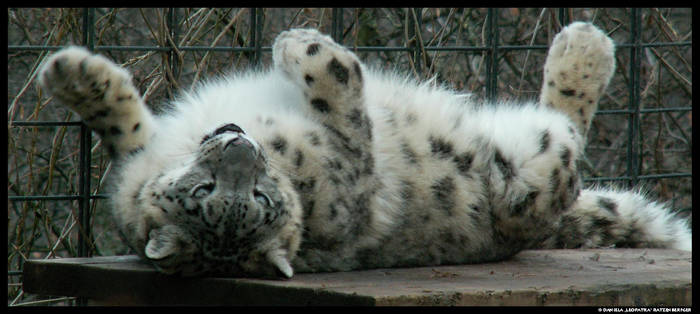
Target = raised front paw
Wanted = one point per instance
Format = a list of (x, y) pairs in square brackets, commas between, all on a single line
[(579, 66), (85, 81), (317, 64), (581, 57)]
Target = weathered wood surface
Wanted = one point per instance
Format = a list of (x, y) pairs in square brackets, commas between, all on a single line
[(597, 277)]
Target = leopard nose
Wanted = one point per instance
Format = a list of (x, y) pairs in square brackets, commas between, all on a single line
[(240, 148), (239, 141)]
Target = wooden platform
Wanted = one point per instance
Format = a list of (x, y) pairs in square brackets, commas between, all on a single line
[(601, 277)]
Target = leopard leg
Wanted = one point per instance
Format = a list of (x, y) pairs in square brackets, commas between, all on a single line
[(101, 92), (330, 77), (579, 66)]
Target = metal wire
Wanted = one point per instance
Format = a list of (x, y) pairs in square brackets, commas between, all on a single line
[(84, 236), (14, 48), (256, 23), (492, 54), (634, 99)]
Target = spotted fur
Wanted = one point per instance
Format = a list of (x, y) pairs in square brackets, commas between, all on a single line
[(321, 164)]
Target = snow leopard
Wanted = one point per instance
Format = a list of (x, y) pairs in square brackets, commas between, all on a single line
[(322, 163)]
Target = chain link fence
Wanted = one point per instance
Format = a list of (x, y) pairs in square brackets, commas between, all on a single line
[(642, 135)]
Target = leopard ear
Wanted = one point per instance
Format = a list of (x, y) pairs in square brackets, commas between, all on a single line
[(278, 259), (162, 243)]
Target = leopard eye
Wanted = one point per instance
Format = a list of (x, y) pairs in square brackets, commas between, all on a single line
[(202, 190), (263, 198)]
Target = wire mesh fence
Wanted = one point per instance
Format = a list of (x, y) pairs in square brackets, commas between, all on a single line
[(56, 169)]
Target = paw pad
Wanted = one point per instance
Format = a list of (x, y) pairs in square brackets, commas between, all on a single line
[(75, 76)]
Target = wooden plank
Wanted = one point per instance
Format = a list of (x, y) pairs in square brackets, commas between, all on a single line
[(600, 277)]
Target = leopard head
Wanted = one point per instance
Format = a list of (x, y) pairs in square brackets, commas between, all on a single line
[(224, 213)]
